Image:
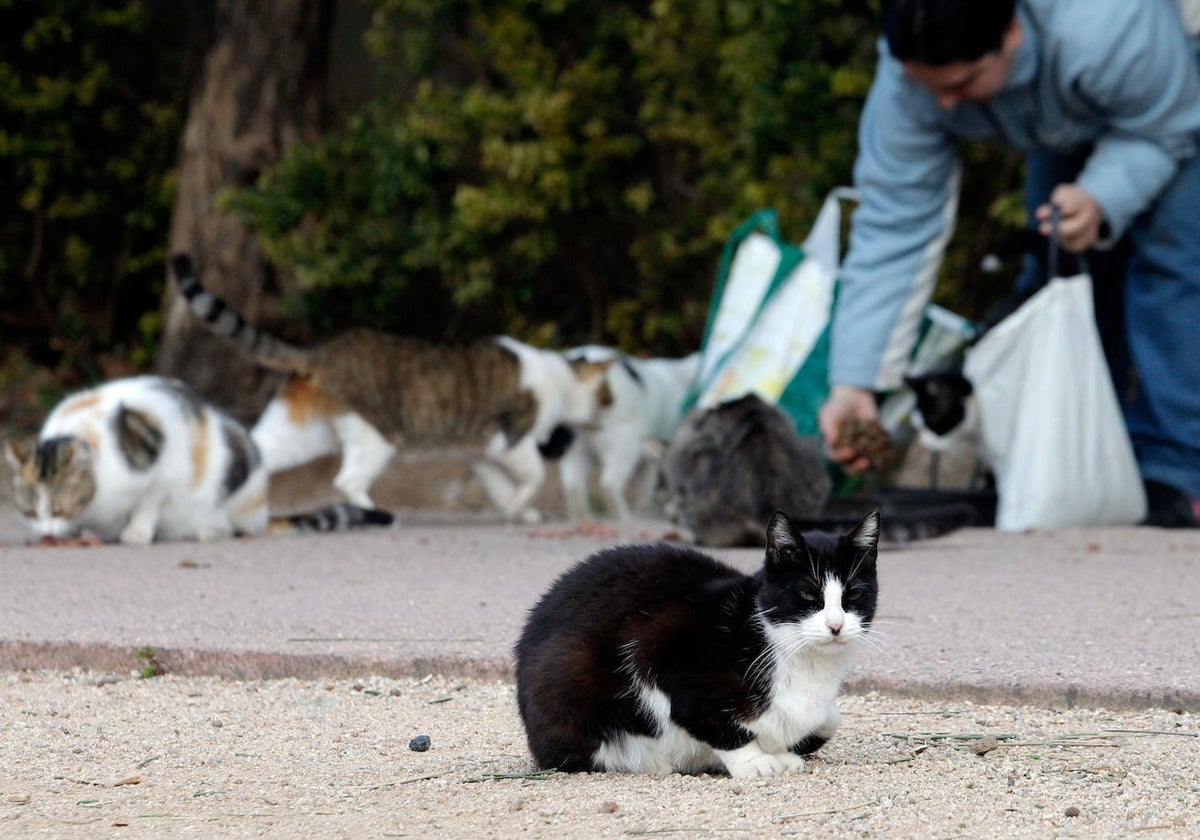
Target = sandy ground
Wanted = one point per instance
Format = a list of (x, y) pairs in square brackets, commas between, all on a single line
[(86, 754)]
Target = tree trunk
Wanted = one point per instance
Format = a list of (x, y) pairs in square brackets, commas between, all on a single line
[(260, 91)]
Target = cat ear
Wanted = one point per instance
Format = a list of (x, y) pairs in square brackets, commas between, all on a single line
[(865, 535), (17, 454), (782, 536)]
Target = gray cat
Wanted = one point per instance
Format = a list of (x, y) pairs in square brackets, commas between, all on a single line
[(728, 467)]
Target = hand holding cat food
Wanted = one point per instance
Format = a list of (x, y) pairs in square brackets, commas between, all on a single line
[(871, 441), (846, 402)]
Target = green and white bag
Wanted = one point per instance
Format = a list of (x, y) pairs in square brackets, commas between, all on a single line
[(768, 327)]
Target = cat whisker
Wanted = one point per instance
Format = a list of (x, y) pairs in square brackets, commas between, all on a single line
[(877, 641), (812, 562), (880, 635), (873, 643)]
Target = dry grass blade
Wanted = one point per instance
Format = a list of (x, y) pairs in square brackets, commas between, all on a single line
[(535, 775), (827, 811), (929, 737)]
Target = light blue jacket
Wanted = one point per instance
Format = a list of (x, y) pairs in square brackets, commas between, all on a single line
[(1119, 74)]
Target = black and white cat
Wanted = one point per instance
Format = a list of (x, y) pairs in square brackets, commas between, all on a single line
[(946, 411), (657, 658), (145, 458)]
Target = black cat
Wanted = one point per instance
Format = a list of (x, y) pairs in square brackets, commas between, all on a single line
[(657, 658)]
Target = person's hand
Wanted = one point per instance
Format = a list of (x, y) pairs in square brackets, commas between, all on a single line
[(1082, 218), (846, 402)]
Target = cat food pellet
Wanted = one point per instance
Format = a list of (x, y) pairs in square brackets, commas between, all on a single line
[(419, 743), (1072, 811)]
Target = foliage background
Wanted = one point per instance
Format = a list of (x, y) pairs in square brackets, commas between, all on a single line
[(91, 102), (561, 170)]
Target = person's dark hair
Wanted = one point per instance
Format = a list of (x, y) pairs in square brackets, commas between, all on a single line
[(939, 32)]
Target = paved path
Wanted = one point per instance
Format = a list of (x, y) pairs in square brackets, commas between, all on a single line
[(1097, 618)]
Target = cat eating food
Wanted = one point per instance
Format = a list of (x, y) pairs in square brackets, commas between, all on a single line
[(145, 458), (363, 393), (657, 658), (730, 465)]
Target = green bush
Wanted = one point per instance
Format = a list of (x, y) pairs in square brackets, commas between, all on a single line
[(90, 112), (567, 170)]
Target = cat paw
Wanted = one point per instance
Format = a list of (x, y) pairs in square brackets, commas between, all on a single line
[(530, 516), (750, 762), (209, 534), (137, 535)]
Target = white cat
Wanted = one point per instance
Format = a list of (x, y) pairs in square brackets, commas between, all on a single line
[(645, 410), (136, 459)]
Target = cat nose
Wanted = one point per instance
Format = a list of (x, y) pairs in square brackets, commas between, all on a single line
[(835, 626)]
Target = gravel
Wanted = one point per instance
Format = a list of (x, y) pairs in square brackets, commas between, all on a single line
[(89, 754)]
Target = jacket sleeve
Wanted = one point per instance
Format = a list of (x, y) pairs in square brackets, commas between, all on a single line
[(1149, 85), (907, 177)]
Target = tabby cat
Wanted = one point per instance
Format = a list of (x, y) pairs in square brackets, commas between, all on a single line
[(146, 458), (657, 658), (363, 393), (730, 465)]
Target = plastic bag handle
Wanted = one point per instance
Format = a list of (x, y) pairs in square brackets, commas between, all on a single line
[(1052, 255)]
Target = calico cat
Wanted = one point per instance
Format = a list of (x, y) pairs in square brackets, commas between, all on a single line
[(730, 465), (363, 393), (646, 409), (146, 458), (657, 658)]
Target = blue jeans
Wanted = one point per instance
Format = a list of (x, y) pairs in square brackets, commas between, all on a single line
[(1147, 292), (1162, 318)]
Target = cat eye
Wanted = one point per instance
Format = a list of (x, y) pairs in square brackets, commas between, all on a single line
[(808, 596)]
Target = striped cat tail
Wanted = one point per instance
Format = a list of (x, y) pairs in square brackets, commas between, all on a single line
[(337, 517), (223, 320)]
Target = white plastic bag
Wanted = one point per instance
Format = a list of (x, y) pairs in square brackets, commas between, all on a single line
[(1052, 426)]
